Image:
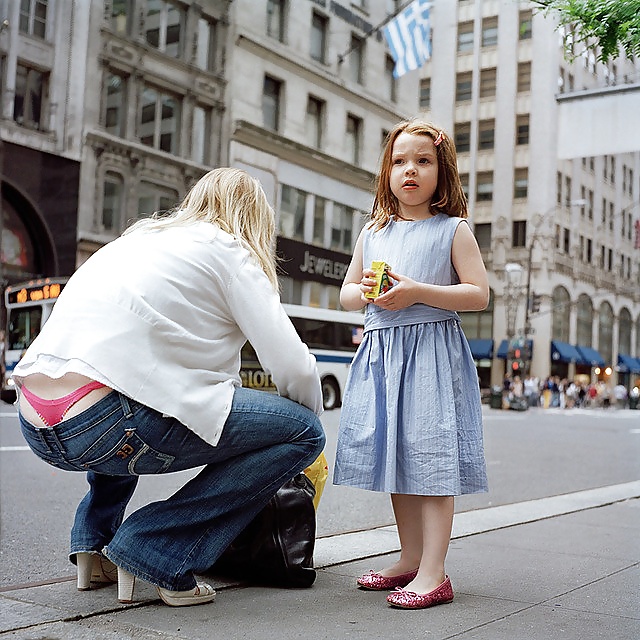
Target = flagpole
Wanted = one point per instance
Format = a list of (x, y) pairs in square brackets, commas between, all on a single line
[(373, 30)]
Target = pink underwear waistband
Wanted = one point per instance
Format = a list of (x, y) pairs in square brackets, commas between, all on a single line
[(52, 411)]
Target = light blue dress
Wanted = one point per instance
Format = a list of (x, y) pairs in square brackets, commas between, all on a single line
[(411, 419)]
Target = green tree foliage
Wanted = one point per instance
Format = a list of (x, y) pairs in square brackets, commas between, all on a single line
[(611, 24)]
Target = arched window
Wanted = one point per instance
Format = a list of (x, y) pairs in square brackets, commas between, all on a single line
[(561, 313), (19, 261), (605, 332), (624, 331), (584, 325)]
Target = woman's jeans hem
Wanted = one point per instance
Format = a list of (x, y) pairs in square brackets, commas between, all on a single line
[(266, 440)]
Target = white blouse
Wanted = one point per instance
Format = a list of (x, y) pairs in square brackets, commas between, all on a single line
[(161, 316)]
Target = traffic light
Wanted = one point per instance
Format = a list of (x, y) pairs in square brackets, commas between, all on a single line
[(534, 303)]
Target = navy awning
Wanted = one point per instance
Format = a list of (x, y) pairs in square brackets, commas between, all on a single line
[(503, 349), (481, 349), (628, 363), (565, 352), (590, 356)]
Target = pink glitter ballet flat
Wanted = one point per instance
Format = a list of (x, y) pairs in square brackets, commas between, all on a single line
[(376, 582), (410, 600)]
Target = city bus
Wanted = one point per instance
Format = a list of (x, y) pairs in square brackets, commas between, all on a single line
[(28, 306), (332, 337)]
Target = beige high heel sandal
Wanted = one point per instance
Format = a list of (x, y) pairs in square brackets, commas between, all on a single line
[(200, 594), (94, 569)]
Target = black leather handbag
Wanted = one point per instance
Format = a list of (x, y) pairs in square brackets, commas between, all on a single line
[(276, 548)]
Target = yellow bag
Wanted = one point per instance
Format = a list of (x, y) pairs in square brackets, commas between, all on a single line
[(318, 472)]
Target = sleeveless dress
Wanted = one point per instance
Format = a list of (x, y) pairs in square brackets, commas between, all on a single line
[(411, 420)]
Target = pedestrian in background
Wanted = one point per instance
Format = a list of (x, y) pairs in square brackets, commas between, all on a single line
[(411, 421), (137, 372)]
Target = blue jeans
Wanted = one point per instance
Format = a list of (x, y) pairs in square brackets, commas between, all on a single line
[(266, 440)]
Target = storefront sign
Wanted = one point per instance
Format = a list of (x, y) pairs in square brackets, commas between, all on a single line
[(307, 262)]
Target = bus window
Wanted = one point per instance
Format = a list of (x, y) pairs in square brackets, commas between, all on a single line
[(24, 326), (317, 334)]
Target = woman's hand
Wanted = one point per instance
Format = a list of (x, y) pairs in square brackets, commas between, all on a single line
[(401, 295)]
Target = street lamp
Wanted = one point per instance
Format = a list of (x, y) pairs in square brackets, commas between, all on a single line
[(511, 295), (533, 302)]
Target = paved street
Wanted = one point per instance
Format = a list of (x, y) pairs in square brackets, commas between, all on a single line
[(550, 552)]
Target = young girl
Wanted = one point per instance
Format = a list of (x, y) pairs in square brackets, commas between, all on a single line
[(411, 421)]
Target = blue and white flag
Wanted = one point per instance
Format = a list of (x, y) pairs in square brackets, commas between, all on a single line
[(409, 37)]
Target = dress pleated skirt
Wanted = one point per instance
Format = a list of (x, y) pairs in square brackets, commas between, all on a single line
[(411, 421)]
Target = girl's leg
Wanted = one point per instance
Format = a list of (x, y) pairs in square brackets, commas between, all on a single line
[(437, 522), (424, 528), (406, 509)]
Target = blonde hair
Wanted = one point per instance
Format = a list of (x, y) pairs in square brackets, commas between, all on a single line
[(448, 197), (236, 202)]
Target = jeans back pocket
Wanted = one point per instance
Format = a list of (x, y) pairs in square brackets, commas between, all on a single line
[(121, 451)]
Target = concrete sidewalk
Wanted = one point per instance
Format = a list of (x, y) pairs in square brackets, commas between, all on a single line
[(565, 568)]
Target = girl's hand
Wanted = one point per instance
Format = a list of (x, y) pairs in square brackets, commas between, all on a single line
[(401, 295), (367, 282)]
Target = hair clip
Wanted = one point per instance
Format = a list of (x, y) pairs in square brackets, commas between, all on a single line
[(439, 139)]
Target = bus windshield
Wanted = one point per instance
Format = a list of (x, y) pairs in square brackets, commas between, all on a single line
[(24, 326)]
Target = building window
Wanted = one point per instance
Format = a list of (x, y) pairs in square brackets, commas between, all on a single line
[(116, 100), (519, 233), (28, 104), (490, 32), (391, 81), (463, 87), (522, 129), (319, 220), (271, 97), (482, 232), (524, 77), (568, 188), (484, 187), (464, 181), (356, 59), (153, 198), (275, 19), (488, 83), (520, 183), (206, 44), (353, 138), (164, 24), (201, 135), (33, 17), (112, 202), (314, 121), (341, 228), (121, 16), (292, 212), (486, 134), (525, 30), (465, 37), (462, 136), (159, 119), (566, 241), (319, 30), (425, 93)]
